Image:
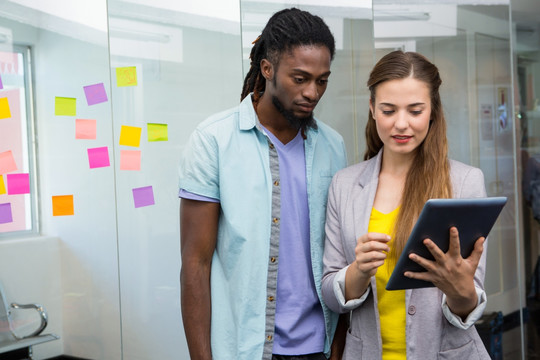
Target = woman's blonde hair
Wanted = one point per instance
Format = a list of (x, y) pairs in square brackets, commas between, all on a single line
[(429, 175)]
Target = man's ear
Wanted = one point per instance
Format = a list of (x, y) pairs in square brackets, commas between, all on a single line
[(267, 69)]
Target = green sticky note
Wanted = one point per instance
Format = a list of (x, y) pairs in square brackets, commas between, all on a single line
[(157, 132), (65, 106), (126, 76)]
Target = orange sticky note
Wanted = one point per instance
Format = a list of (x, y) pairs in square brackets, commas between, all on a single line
[(126, 76), (85, 129), (62, 205), (130, 135), (2, 185), (4, 109), (130, 160), (7, 162)]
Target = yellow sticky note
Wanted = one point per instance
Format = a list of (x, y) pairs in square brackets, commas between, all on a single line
[(65, 106), (157, 132), (130, 135), (4, 109), (62, 205), (126, 76), (2, 185)]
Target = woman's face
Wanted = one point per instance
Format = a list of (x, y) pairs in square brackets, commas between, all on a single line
[(402, 112)]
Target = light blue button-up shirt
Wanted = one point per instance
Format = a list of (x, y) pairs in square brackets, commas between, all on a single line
[(227, 158)]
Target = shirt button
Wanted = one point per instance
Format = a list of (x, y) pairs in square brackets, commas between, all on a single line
[(271, 146), (276, 182), (269, 337), (412, 310), (270, 298), (276, 220), (272, 259)]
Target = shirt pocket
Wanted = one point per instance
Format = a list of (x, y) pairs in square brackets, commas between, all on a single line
[(325, 178)]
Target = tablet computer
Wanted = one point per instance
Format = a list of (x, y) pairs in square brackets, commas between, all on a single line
[(472, 217)]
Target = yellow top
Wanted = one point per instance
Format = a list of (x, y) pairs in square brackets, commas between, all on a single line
[(391, 304)]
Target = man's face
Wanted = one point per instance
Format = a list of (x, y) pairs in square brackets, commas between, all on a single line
[(299, 82)]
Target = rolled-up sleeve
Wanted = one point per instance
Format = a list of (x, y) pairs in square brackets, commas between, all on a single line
[(339, 292), (199, 168), (473, 317)]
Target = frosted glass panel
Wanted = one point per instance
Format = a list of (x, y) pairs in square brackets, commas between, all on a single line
[(187, 64)]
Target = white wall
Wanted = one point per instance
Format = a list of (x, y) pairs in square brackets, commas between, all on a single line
[(31, 273)]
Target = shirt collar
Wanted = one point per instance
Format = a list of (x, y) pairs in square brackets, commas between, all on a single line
[(248, 116)]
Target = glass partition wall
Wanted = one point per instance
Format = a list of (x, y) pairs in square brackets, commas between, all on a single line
[(119, 85), (471, 46)]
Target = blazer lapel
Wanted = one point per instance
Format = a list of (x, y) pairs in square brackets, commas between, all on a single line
[(363, 196)]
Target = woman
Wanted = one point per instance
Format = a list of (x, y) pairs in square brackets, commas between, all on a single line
[(372, 207)]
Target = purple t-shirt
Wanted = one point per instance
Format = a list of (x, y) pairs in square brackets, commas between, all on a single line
[(299, 318), (299, 321)]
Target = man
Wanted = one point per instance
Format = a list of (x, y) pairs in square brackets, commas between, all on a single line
[(254, 183)]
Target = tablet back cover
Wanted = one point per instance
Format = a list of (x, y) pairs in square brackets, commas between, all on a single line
[(472, 217)]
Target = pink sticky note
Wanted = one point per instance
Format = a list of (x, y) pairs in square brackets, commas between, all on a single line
[(5, 213), (130, 160), (95, 94), (18, 184), (85, 129), (7, 162), (98, 157), (143, 196)]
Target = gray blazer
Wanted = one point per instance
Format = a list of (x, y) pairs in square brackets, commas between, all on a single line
[(428, 332)]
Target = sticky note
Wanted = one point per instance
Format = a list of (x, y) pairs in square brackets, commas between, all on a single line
[(2, 185), (85, 129), (18, 184), (64, 106), (7, 162), (130, 135), (5, 213), (126, 76), (98, 157), (95, 94), (130, 160), (62, 205), (157, 132), (143, 196), (1, 84), (4, 109)]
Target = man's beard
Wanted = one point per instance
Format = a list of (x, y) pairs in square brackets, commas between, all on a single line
[(295, 121)]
